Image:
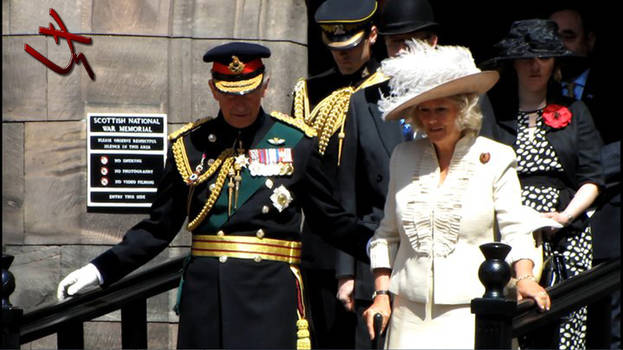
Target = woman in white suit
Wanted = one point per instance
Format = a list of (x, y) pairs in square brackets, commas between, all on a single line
[(446, 193)]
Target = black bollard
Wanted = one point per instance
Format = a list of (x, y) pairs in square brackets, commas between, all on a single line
[(494, 313), (11, 316)]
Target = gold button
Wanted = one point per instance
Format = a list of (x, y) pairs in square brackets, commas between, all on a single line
[(222, 259), (260, 233), (282, 199), (269, 183), (265, 209), (210, 161), (220, 233), (212, 138), (258, 258)]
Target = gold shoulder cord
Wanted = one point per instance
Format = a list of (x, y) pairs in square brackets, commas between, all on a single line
[(301, 101), (329, 114), (183, 165), (214, 194), (224, 161)]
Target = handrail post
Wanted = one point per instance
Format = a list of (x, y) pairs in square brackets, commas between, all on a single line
[(494, 313), (71, 336), (11, 316), (134, 325)]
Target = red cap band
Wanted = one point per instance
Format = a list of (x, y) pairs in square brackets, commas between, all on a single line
[(249, 67)]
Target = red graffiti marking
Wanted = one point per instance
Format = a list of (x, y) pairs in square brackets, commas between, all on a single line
[(62, 33)]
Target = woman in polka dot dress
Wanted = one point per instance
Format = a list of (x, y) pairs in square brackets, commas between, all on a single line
[(557, 149)]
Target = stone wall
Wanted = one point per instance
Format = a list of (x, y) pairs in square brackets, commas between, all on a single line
[(147, 57)]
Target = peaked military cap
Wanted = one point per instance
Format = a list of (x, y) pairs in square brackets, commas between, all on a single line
[(238, 68), (345, 23), (405, 16)]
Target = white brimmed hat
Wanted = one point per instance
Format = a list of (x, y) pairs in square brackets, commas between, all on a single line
[(422, 73)]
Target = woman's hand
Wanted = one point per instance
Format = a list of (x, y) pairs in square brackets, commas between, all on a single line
[(528, 288), (561, 218), (382, 306)]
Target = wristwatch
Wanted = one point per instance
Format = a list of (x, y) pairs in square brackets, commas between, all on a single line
[(380, 292)]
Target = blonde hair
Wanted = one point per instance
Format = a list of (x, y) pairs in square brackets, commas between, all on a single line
[(469, 116)]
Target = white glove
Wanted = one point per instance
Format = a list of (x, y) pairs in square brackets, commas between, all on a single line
[(82, 278)]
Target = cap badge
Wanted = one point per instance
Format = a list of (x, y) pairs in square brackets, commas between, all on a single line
[(338, 29), (236, 66)]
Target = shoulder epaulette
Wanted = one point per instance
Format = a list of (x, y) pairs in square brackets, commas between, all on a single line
[(376, 78), (296, 122), (187, 127)]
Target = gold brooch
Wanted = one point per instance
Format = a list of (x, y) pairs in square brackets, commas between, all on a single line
[(484, 157), (236, 66)]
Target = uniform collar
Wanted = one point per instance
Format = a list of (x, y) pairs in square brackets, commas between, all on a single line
[(362, 74), (230, 135)]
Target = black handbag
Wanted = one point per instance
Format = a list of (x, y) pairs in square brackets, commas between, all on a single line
[(554, 269)]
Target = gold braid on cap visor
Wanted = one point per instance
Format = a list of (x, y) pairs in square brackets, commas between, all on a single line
[(240, 85)]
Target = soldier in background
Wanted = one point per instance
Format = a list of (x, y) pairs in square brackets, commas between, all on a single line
[(241, 180), (321, 101)]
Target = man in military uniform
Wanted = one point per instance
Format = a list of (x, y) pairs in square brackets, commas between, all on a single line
[(241, 180), (321, 101), (363, 174)]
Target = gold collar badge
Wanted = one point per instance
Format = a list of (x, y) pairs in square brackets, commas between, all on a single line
[(236, 66)]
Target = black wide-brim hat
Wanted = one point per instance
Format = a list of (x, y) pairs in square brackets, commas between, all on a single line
[(345, 23), (406, 16), (237, 67), (530, 38)]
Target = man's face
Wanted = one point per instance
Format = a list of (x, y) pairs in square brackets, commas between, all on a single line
[(571, 31), (351, 60), (240, 111), (397, 42)]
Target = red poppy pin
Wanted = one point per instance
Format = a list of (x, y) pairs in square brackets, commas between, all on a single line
[(556, 116), (484, 157)]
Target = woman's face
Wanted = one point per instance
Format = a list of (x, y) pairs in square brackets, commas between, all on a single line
[(534, 73), (438, 119)]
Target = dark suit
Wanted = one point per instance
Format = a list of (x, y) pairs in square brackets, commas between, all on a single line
[(333, 326), (237, 302), (362, 177)]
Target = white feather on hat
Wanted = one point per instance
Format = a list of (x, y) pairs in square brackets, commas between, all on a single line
[(422, 72)]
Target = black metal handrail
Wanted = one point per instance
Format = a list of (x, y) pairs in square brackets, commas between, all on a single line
[(499, 320), (569, 295), (131, 292)]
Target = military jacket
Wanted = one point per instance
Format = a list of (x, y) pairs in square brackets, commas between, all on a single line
[(322, 102), (231, 302)]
